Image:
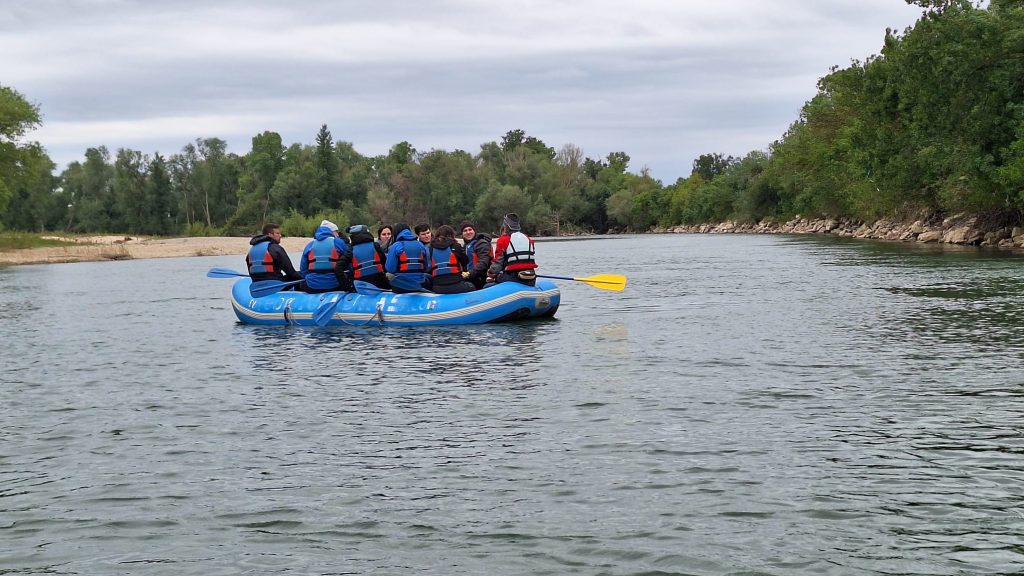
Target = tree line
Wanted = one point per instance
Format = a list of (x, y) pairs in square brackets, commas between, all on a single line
[(932, 124)]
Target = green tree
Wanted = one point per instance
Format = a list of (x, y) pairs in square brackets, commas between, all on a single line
[(259, 171), (160, 202), (218, 175), (182, 169), (129, 191), (638, 204), (679, 198), (17, 117), (328, 170), (936, 6), (565, 194), (354, 179), (90, 192), (541, 218), (402, 175), (515, 139), (296, 184), (452, 185), (607, 179), (498, 200), (34, 204), (711, 165), (755, 198)]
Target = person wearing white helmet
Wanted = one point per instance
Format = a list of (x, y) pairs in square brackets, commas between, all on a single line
[(320, 257)]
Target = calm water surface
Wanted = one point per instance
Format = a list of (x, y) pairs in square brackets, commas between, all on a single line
[(749, 405)]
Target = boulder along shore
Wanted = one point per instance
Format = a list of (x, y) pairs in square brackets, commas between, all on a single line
[(959, 229)]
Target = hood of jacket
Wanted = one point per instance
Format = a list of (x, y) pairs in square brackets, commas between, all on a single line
[(483, 237), (323, 232), (405, 235), (362, 237), (261, 238), (441, 243)]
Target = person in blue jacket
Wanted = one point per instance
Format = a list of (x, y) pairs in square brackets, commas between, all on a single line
[(364, 259), (407, 258), (320, 257)]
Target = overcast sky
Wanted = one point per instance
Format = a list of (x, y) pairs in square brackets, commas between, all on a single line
[(663, 81)]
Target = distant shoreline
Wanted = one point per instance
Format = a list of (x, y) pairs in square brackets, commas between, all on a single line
[(959, 229), (101, 248)]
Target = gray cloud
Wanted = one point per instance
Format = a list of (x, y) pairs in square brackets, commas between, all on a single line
[(662, 81)]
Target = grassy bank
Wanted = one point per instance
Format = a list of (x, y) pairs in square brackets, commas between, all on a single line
[(20, 240)]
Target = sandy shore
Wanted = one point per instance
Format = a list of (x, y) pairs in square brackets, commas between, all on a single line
[(98, 248)]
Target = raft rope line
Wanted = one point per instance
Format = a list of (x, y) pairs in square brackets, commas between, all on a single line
[(378, 315)]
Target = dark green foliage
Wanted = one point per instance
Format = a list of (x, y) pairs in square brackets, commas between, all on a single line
[(18, 161), (92, 206), (160, 203), (328, 170), (707, 166), (33, 205), (933, 123), (637, 204)]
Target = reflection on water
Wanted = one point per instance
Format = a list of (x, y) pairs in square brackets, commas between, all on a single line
[(392, 351), (749, 405)]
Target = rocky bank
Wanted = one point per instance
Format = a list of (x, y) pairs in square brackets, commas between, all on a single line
[(959, 229)]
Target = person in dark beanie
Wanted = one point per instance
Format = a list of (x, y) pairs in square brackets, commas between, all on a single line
[(513, 255), (480, 254)]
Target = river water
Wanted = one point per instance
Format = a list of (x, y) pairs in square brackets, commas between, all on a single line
[(749, 405)]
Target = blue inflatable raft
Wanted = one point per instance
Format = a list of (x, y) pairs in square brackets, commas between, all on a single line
[(498, 303)]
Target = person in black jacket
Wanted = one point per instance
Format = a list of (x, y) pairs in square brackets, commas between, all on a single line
[(364, 260), (447, 261), (267, 259), (480, 253)]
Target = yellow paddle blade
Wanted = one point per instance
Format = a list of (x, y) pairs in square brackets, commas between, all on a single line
[(605, 281)]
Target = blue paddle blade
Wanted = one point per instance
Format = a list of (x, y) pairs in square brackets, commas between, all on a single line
[(367, 288), (325, 312), (223, 273), (268, 287)]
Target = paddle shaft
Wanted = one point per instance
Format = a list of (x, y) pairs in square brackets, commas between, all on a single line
[(268, 287), (224, 273), (613, 281)]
